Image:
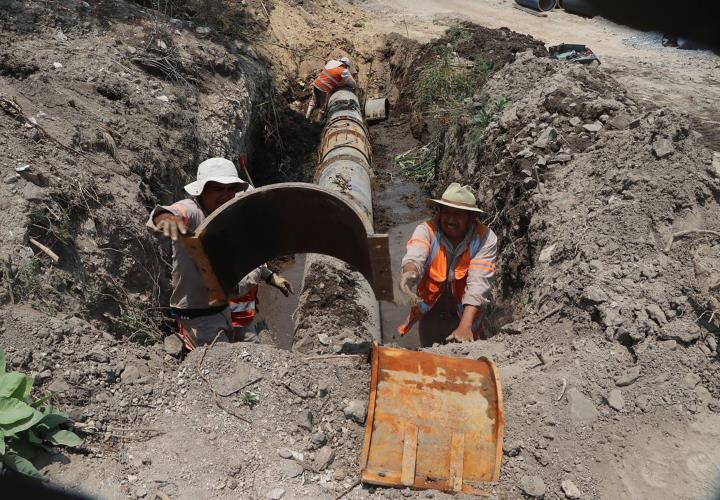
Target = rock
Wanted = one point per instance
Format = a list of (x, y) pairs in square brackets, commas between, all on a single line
[(291, 469), (305, 420), (714, 168), (703, 394), (571, 491), (691, 380), (275, 494), (318, 439), (620, 122), (356, 411), (323, 338), (512, 449), (141, 492), (561, 158), (43, 376), (162, 98), (204, 30), (662, 148), (532, 486), (575, 121), (615, 400), (130, 374), (59, 385), (544, 139), (285, 453), (98, 355), (582, 410), (324, 458), (628, 377), (656, 313), (712, 343), (595, 294), (57, 65), (643, 402), (173, 345), (547, 253), (683, 331), (593, 127)]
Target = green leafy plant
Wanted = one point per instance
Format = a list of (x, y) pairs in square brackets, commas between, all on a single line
[(250, 399), (418, 163), (27, 425)]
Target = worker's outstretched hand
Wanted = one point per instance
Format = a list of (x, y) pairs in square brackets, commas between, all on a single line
[(170, 225), (461, 334), (281, 284), (408, 281)]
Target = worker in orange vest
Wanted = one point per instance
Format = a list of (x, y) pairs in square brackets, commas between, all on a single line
[(244, 306), (335, 74), (451, 260)]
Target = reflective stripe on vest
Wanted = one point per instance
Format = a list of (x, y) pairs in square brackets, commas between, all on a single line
[(243, 309), (437, 274)]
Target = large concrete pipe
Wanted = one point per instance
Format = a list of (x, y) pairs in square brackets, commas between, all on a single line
[(345, 157)]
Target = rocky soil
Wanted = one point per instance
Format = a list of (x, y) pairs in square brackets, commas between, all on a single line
[(605, 330)]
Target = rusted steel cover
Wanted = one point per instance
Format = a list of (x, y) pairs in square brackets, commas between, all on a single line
[(434, 422), (283, 219)]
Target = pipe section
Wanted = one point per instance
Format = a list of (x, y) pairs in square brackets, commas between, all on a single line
[(538, 5), (344, 160)]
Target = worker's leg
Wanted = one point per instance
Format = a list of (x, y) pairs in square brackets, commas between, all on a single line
[(245, 333), (439, 322), (202, 330)]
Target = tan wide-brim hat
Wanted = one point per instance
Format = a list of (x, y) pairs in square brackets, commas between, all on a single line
[(457, 196)]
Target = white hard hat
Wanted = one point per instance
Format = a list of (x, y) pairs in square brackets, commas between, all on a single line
[(214, 170), (345, 61)]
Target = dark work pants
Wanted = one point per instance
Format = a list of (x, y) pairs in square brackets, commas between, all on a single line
[(440, 321)]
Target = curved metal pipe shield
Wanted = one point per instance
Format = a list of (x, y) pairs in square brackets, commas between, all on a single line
[(284, 219)]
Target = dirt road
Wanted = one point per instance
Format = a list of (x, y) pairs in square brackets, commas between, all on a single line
[(657, 76)]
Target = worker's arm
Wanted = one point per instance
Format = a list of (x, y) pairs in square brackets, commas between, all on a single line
[(477, 290), (263, 273), (348, 80), (413, 263), (173, 220)]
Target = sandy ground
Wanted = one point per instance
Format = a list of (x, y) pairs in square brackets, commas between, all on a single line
[(659, 76)]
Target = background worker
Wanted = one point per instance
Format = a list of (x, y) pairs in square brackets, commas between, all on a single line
[(335, 74), (199, 323), (451, 259)]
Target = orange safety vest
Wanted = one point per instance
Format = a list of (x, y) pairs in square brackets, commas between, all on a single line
[(329, 79), (243, 309), (439, 274)]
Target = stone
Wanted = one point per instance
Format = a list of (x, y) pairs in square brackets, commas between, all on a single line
[(643, 402), (582, 410), (324, 458), (714, 168), (547, 253), (204, 30), (318, 439), (544, 139), (305, 420), (173, 345), (291, 469), (575, 121), (656, 313), (57, 65), (703, 394), (712, 343), (323, 338), (683, 331), (285, 453), (595, 294), (571, 491), (162, 98), (43, 376), (593, 127), (662, 148), (615, 400), (11, 178), (130, 374), (629, 377), (98, 355), (691, 380), (59, 385), (141, 492), (532, 486), (512, 449), (356, 411), (620, 122), (275, 494)]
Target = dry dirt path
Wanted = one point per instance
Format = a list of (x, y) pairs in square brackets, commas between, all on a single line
[(688, 81)]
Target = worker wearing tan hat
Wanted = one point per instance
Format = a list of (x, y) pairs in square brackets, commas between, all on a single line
[(199, 323), (451, 259)]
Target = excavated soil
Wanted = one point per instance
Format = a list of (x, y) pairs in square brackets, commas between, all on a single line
[(605, 332)]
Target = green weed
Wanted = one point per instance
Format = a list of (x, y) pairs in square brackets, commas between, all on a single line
[(250, 399), (418, 163)]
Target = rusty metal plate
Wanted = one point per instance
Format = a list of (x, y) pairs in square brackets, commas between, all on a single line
[(284, 219), (434, 422)]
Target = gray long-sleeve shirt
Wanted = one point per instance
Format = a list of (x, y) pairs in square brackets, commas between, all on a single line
[(189, 290), (482, 264)]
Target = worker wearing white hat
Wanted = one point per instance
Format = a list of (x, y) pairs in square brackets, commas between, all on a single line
[(451, 260), (217, 183), (335, 74)]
